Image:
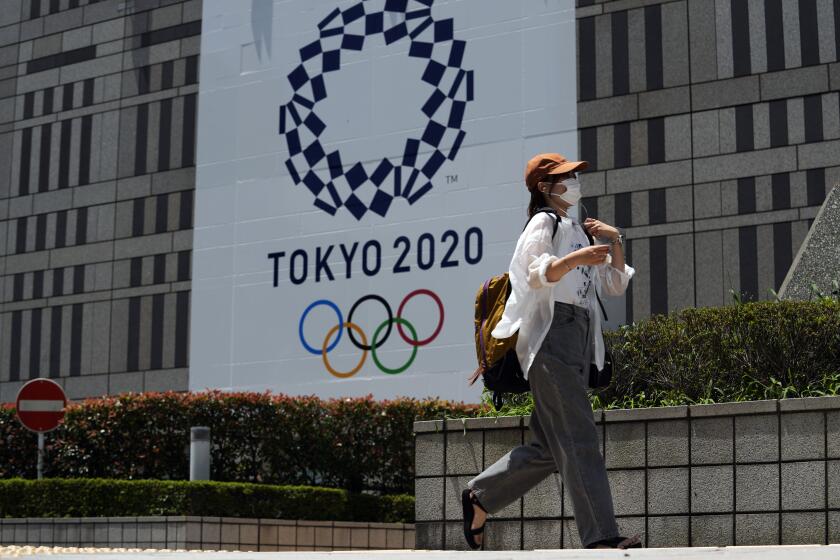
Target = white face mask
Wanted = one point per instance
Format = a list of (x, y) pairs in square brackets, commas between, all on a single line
[(572, 194)]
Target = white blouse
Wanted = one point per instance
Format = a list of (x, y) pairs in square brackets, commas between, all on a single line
[(530, 307)]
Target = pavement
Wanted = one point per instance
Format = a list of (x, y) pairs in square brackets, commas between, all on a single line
[(804, 552)]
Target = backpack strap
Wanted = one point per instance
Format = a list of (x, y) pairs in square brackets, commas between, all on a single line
[(484, 314), (546, 210), (604, 311)]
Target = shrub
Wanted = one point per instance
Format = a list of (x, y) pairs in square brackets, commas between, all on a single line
[(118, 498), (391, 508), (358, 444), (750, 351)]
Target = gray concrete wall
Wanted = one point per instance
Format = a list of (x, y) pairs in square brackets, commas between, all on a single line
[(205, 533), (761, 473), (97, 153)]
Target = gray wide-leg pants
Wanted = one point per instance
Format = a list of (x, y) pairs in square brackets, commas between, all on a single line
[(564, 436)]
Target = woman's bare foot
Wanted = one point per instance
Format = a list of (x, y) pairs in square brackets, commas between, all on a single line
[(480, 516)]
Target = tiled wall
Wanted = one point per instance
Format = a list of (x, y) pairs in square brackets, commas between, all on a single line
[(714, 127), (760, 473), (97, 154), (206, 533)]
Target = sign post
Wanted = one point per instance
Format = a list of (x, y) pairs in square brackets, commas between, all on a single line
[(40, 408), (40, 455)]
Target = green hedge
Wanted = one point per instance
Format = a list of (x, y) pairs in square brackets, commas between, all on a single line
[(749, 351), (357, 444), (742, 352), (115, 498)]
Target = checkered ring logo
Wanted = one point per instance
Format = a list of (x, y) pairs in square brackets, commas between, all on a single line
[(357, 186)]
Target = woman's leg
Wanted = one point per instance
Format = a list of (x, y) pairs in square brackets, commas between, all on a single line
[(563, 433), (515, 473), (559, 383)]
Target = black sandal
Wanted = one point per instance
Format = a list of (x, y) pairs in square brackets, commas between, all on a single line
[(467, 502), (619, 542)]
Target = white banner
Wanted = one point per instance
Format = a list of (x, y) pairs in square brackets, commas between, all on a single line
[(360, 175)]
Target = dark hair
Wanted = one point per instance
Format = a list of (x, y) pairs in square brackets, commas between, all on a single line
[(537, 201)]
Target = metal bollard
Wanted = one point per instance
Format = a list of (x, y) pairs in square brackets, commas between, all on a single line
[(200, 453)]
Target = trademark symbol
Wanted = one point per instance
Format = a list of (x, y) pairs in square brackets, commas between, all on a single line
[(451, 179)]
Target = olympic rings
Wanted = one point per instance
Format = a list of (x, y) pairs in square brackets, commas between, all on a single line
[(313, 305), (350, 326), (361, 300), (406, 365), (328, 344), (435, 297)]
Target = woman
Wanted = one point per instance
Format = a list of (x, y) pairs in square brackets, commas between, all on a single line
[(554, 308)]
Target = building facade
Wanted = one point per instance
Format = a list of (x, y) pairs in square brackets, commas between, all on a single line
[(97, 176), (712, 127)]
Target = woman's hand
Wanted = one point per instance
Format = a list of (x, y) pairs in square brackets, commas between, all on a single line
[(600, 230), (593, 255), (589, 256)]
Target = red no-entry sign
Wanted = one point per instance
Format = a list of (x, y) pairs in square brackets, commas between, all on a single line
[(40, 405)]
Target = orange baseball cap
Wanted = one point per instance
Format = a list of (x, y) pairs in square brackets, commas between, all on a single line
[(543, 165)]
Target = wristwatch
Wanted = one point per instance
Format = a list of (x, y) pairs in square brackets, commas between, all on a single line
[(618, 240)]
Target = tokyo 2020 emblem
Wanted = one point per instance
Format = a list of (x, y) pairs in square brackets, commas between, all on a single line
[(339, 183), (378, 339)]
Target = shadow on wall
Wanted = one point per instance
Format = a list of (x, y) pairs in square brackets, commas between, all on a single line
[(262, 12)]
